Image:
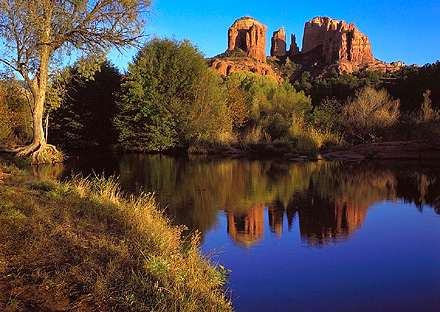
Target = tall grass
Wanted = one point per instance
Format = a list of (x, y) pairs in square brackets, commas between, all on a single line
[(82, 245)]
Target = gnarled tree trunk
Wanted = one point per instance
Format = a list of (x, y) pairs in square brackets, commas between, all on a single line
[(39, 151)]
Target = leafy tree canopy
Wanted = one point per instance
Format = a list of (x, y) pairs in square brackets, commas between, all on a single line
[(37, 35), (159, 93), (271, 104), (85, 118)]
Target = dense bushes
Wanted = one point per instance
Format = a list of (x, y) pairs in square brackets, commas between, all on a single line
[(273, 107), (85, 117), (410, 83), (15, 114), (369, 112), (171, 98)]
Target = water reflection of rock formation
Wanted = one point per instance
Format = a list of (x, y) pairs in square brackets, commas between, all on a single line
[(246, 227), (328, 199), (324, 221), (321, 219)]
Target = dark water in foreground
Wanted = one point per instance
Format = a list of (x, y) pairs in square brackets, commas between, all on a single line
[(312, 236)]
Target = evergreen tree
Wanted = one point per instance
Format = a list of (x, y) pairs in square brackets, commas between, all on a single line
[(85, 118)]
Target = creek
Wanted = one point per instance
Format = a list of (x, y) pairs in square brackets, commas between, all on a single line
[(300, 236)]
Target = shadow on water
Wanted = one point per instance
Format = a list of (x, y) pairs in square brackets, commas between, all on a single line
[(330, 199)]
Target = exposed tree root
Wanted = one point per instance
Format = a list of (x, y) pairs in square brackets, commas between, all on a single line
[(38, 153), (27, 150), (46, 154)]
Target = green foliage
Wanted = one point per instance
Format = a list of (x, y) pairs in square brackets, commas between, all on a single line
[(156, 96), (37, 35), (327, 116), (271, 105), (207, 114), (15, 113), (237, 52), (338, 87), (171, 98), (84, 120), (285, 69), (410, 83)]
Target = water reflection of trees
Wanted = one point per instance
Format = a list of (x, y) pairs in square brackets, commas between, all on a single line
[(329, 199)]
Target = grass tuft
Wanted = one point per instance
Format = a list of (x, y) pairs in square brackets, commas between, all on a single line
[(82, 245)]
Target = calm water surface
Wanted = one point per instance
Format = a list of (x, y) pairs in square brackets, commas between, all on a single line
[(312, 236)]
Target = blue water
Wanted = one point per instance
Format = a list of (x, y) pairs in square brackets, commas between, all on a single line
[(391, 264), (311, 236)]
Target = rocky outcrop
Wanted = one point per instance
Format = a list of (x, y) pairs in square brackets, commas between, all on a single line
[(225, 66), (248, 35), (331, 42), (278, 47), (339, 41), (328, 45)]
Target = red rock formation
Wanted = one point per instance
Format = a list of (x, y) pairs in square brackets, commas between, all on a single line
[(225, 66), (294, 50), (278, 47), (339, 41), (248, 35), (246, 227)]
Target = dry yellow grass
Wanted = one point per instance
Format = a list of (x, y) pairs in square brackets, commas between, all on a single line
[(83, 246)]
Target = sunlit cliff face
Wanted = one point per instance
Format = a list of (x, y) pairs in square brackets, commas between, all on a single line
[(248, 35)]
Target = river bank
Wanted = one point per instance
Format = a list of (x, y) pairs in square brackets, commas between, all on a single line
[(422, 150), (83, 246)]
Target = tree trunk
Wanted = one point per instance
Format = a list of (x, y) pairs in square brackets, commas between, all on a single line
[(46, 127), (39, 138), (39, 151)]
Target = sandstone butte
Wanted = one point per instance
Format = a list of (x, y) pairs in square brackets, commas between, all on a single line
[(331, 41), (246, 35), (327, 43)]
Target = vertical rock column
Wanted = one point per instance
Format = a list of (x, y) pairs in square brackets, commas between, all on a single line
[(248, 35), (278, 47)]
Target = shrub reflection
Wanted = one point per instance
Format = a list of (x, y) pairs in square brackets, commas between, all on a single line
[(330, 200)]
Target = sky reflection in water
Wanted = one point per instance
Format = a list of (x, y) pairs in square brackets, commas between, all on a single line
[(313, 236)]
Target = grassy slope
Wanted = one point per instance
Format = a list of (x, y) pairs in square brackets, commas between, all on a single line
[(81, 246)]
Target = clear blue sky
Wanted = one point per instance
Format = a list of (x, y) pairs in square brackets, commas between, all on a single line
[(407, 31)]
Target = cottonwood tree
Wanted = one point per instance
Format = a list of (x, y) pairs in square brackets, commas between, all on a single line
[(38, 34)]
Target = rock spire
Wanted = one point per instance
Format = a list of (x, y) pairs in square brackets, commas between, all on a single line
[(278, 43)]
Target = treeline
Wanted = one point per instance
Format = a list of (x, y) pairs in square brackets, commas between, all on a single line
[(408, 85), (170, 99)]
